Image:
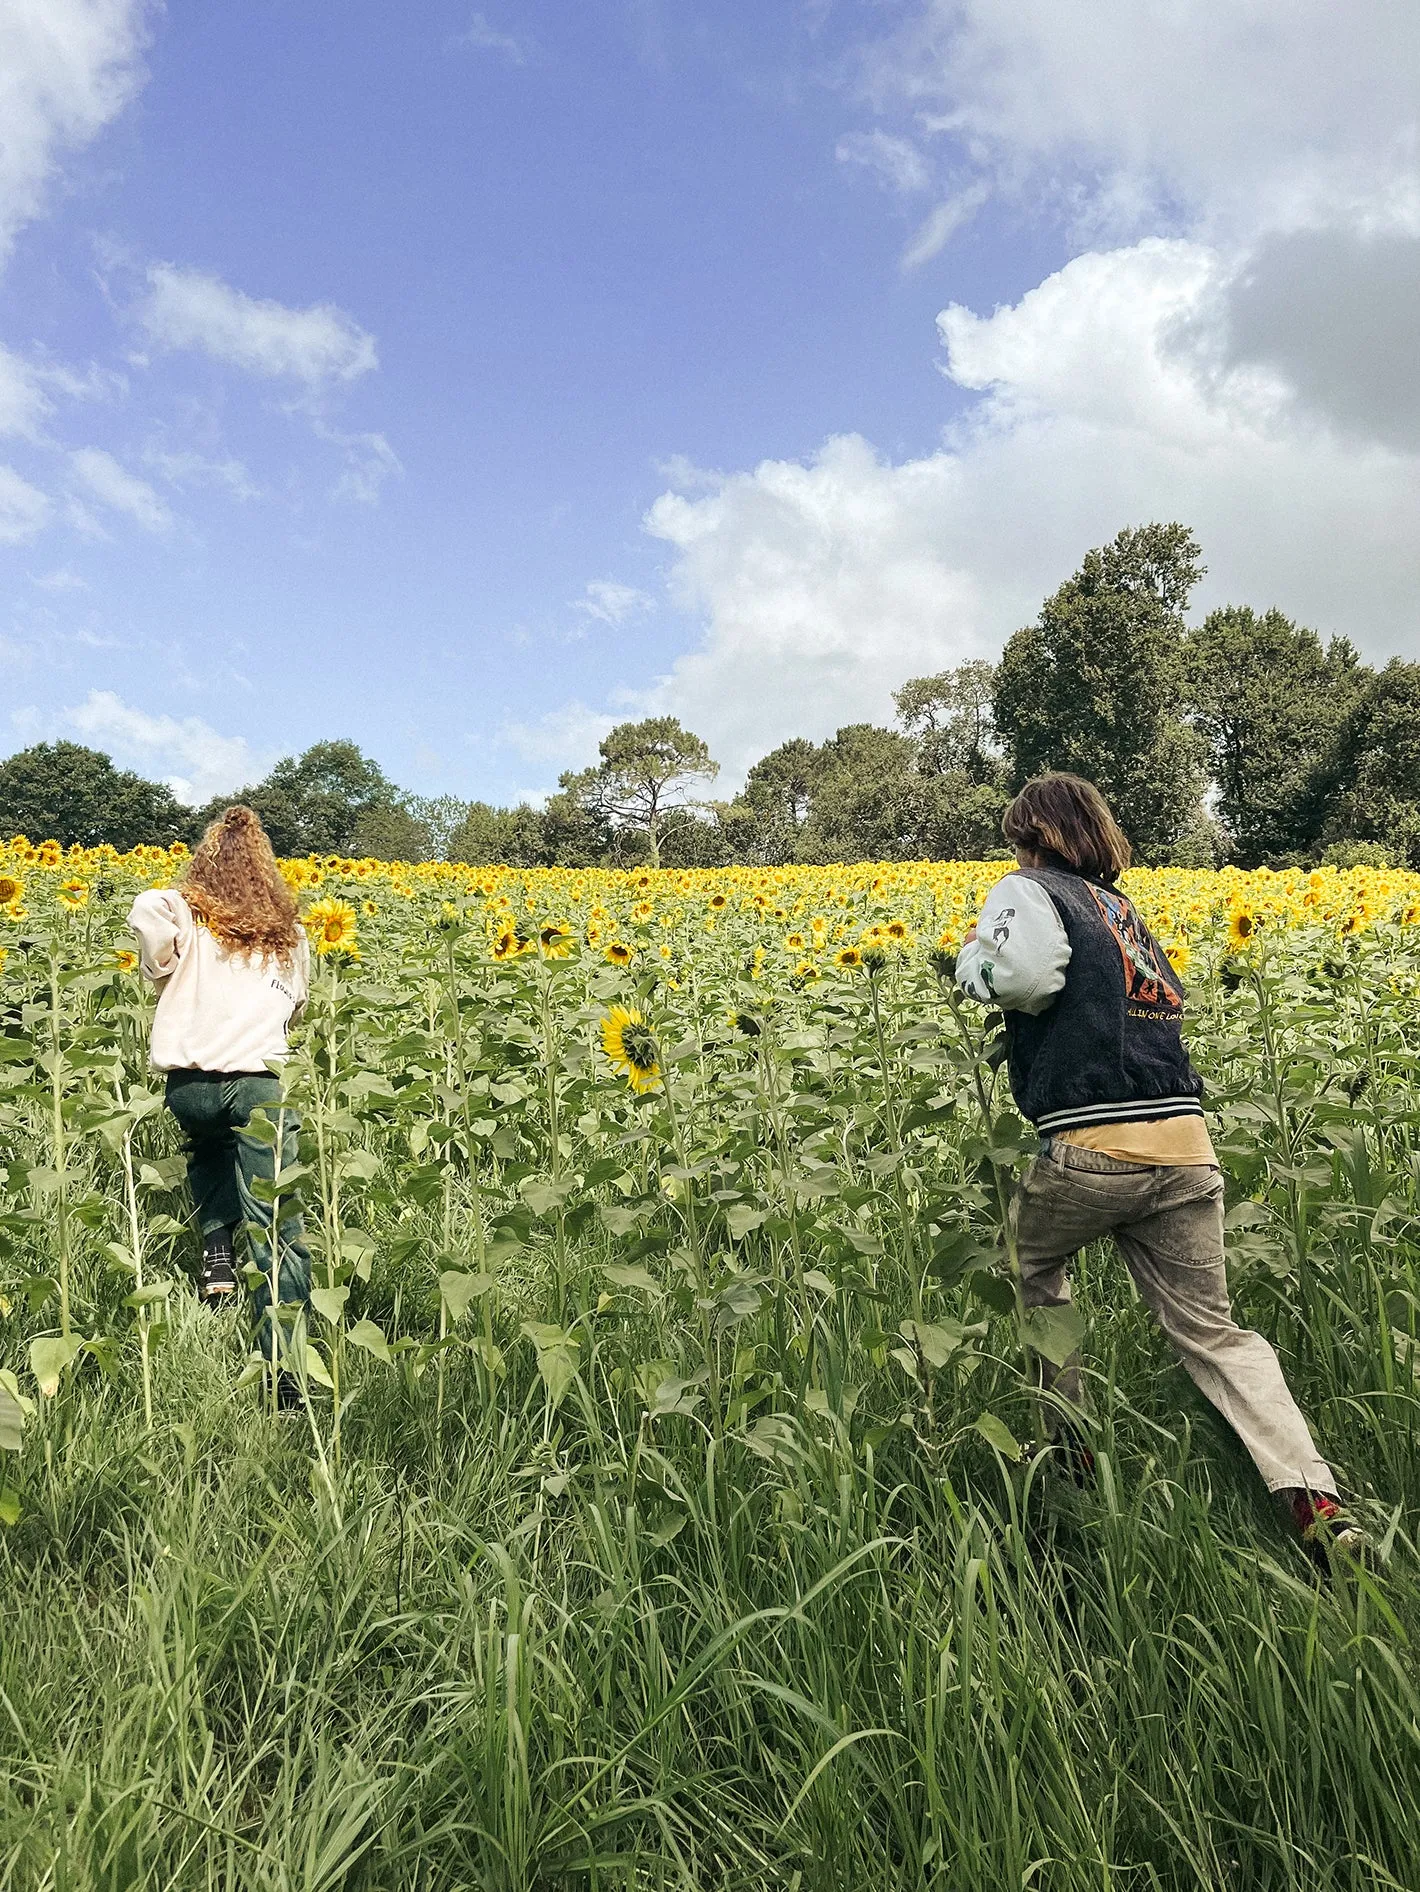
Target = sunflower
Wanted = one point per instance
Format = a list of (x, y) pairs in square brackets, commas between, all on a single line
[(331, 925), (849, 959), (371, 906), (508, 945), (1179, 954), (126, 961), (632, 1048), (717, 902), (74, 894), (11, 890), (618, 954), (1242, 928), (795, 943), (896, 930), (555, 941)]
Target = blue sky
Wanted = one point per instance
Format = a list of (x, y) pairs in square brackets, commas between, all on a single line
[(463, 380)]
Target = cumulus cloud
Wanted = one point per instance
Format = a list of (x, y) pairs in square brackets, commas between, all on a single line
[(188, 308), (1334, 313), (67, 68), (610, 602), (196, 760), (24, 509), (114, 486), (1108, 398), (1281, 113)]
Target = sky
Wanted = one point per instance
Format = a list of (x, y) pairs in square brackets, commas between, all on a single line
[(462, 381)]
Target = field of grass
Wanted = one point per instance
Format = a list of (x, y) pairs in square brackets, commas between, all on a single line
[(658, 1520)]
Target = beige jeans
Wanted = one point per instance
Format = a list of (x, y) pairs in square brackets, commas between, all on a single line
[(1168, 1224)]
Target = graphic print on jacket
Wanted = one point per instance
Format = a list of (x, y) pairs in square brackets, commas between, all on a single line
[(1146, 984), (1109, 1047)]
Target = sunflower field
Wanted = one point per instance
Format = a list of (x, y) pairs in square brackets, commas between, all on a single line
[(662, 1514)]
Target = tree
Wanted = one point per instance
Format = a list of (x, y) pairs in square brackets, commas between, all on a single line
[(1380, 801), (506, 837), (311, 804), (62, 791), (949, 717), (765, 821), (1095, 684), (872, 801), (644, 778), (391, 831), (1273, 707)]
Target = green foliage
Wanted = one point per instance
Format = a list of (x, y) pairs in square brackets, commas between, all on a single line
[(390, 831), (1273, 707), (660, 1516), (62, 791), (643, 781), (1379, 798), (1095, 685), (485, 834), (312, 804), (951, 718)]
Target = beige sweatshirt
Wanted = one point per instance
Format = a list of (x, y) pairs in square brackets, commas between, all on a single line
[(217, 1011)]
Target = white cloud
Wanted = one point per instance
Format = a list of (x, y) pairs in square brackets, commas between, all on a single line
[(187, 308), (566, 737), (24, 510), (938, 229), (369, 461), (60, 580), (895, 162), (194, 469), (1139, 112), (196, 760), (612, 603), (1108, 399), (114, 486), (67, 67), (483, 36), (22, 400)]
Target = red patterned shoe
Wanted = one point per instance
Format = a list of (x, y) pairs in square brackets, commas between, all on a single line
[(1326, 1527)]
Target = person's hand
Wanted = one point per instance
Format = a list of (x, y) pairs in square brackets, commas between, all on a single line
[(970, 934)]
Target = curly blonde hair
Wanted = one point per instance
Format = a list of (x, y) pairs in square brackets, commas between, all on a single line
[(235, 889)]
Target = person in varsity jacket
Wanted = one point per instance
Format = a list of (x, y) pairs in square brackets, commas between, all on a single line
[(1097, 1062)]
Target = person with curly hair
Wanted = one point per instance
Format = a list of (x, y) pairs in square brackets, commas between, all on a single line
[(231, 963)]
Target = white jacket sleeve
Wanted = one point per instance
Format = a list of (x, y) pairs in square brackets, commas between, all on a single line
[(162, 925), (1020, 952)]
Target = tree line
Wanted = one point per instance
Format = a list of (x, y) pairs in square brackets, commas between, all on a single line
[(1243, 739)]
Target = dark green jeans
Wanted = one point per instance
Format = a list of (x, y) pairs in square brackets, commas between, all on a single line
[(224, 1159)]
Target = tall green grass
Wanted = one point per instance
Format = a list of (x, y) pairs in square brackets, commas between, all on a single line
[(845, 1667)]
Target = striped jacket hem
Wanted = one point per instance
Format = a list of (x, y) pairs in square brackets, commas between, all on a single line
[(1136, 1110)]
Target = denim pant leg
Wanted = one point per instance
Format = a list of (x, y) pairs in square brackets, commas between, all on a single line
[(195, 1099), (256, 1160)]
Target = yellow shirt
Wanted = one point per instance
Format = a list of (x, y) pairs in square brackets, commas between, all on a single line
[(1172, 1141)]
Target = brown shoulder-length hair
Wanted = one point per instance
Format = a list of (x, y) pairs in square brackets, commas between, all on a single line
[(1066, 819), (235, 889)]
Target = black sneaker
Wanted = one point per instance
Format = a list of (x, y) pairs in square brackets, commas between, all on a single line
[(217, 1283)]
